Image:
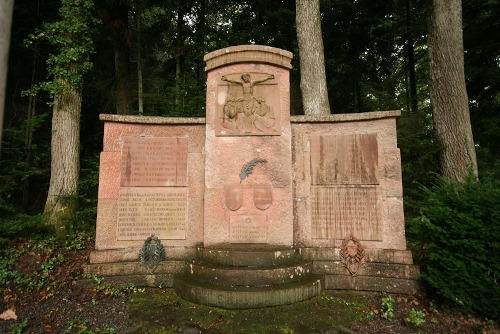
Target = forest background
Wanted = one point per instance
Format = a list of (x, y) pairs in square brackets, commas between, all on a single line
[(147, 60)]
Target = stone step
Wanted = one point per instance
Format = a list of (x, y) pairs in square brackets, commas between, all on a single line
[(239, 297), (248, 276), (370, 283), (134, 268), (249, 256), (389, 270)]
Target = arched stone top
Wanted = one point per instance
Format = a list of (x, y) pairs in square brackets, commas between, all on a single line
[(248, 54)]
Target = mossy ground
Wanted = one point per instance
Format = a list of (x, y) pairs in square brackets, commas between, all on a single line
[(43, 290), (161, 311)]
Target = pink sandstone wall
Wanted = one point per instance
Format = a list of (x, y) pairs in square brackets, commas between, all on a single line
[(324, 177), (383, 231), (227, 154), (116, 128)]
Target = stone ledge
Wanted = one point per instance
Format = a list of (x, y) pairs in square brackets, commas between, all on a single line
[(371, 255), (248, 256), (369, 283), (131, 254), (134, 268), (153, 281), (389, 270), (151, 119), (337, 118)]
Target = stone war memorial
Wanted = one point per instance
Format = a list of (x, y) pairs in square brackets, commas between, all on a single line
[(249, 206)]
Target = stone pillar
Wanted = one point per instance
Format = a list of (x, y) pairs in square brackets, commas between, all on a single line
[(248, 175)]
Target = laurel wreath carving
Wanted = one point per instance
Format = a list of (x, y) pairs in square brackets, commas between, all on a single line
[(248, 167), (352, 263), (152, 253)]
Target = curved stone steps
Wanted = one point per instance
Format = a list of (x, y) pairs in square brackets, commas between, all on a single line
[(249, 276), (249, 256), (238, 297)]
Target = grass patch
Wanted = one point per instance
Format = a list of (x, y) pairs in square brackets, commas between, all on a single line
[(161, 311)]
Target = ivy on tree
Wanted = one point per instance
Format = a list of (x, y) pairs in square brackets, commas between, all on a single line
[(71, 37)]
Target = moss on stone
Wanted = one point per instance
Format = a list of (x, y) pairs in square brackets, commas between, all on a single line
[(161, 311)]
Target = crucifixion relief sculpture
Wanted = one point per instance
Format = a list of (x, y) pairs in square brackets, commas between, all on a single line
[(245, 112)]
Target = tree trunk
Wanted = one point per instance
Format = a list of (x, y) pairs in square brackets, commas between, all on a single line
[(139, 62), (28, 138), (65, 164), (312, 59), (448, 92), (411, 59), (121, 48), (114, 15), (200, 41), (6, 9), (179, 50)]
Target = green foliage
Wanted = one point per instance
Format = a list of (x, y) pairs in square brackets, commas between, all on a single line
[(114, 291), (19, 327), (71, 36), (182, 99), (419, 156), (286, 330), (20, 165), (32, 264), (87, 190), (82, 327), (415, 317), (23, 226), (77, 241), (387, 307), (458, 238), (7, 261), (482, 71)]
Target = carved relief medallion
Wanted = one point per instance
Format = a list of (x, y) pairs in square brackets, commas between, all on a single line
[(262, 196), (233, 196), (152, 253), (353, 254)]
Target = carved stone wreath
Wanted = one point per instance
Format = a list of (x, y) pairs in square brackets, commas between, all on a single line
[(152, 253), (353, 254)]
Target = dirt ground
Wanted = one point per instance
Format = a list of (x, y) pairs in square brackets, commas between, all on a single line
[(47, 293)]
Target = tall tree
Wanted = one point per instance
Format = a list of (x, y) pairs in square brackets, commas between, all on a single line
[(138, 21), (179, 51), (483, 79), (448, 92), (71, 37), (410, 53), (6, 8), (312, 59), (114, 15)]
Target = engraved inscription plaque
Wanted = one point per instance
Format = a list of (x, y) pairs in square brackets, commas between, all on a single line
[(154, 162), (153, 210), (248, 105), (339, 211), (248, 228), (344, 159)]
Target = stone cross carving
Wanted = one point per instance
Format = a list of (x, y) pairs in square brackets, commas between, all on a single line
[(245, 113)]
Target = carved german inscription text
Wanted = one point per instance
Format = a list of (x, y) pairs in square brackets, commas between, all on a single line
[(153, 192), (344, 184), (144, 211), (155, 162)]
